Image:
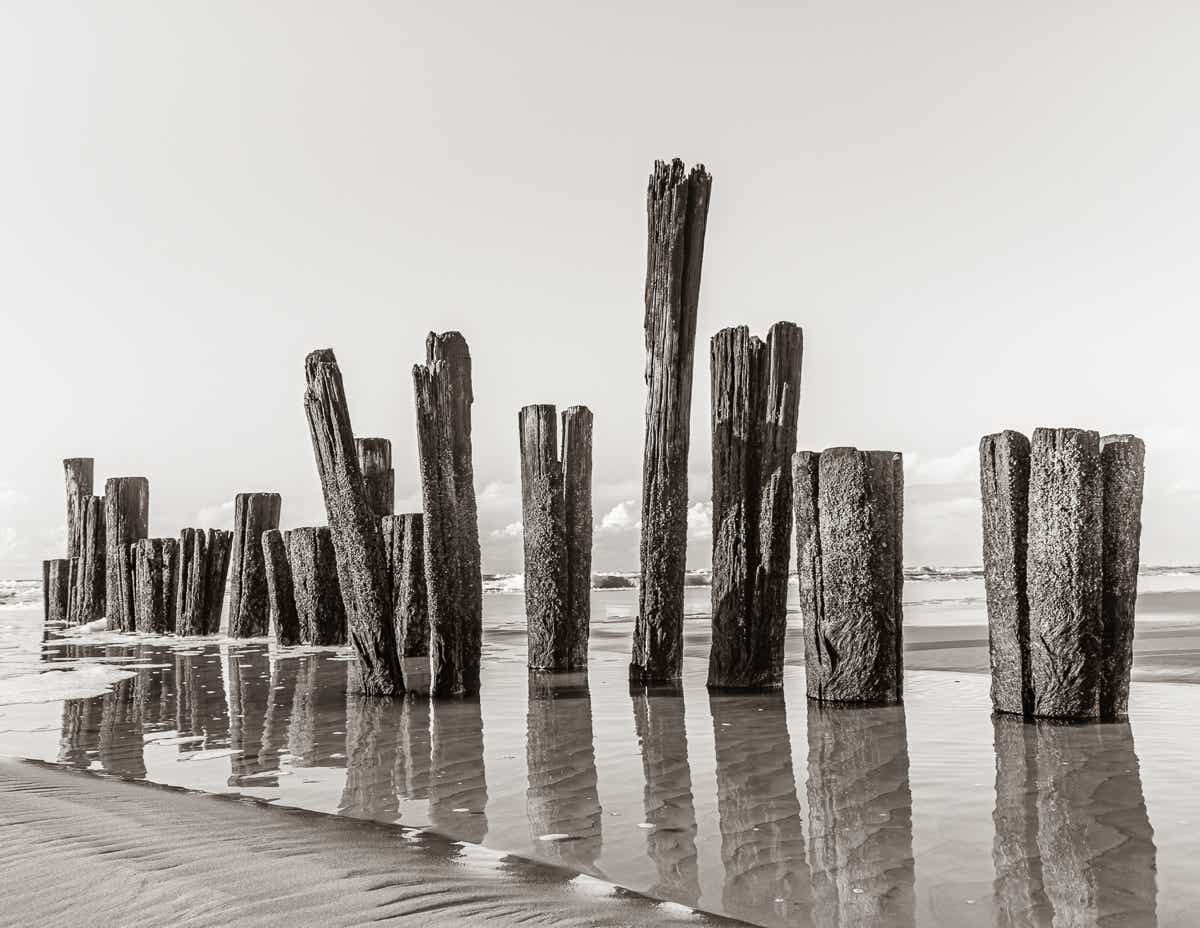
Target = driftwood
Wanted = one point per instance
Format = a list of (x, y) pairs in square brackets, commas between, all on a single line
[(404, 546), (1004, 487), (1066, 492), (56, 588), (442, 387), (357, 540), (319, 606), (755, 399), (126, 520), (88, 574), (849, 534), (253, 514), (379, 479), (154, 571), (677, 214), (281, 599), (1122, 462), (78, 473), (200, 589)]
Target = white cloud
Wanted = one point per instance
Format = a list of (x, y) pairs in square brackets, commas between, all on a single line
[(498, 494), (216, 516), (961, 466), (700, 520), (620, 518), (512, 530)]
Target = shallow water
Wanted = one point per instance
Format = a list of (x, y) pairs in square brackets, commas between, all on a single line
[(764, 807)]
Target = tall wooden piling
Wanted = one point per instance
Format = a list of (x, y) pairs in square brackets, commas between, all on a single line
[(849, 531), (755, 400), (357, 540), (677, 214), (56, 588), (1122, 463), (87, 580), (200, 589), (1004, 488), (281, 597), (79, 476), (126, 520), (319, 606), (577, 522), (544, 538), (404, 546), (1066, 493), (253, 514), (379, 479), (442, 388), (154, 574)]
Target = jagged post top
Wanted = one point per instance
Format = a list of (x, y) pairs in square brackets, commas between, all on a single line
[(676, 217), (451, 348), (375, 453)]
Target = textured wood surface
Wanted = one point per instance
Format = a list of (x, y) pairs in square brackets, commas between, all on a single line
[(56, 589), (126, 520), (200, 589), (1122, 463), (1004, 489), (79, 474), (357, 540), (379, 479), (677, 215), (404, 544), (253, 514), (544, 539), (755, 400), (1064, 572), (281, 599), (154, 572), (87, 602), (577, 521), (318, 595), (443, 391)]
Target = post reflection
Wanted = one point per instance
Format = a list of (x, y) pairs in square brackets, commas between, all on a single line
[(562, 802), (371, 748), (762, 833), (860, 816), (200, 709), (667, 797), (317, 737), (79, 743), (458, 784), (249, 674), (412, 757), (1073, 842)]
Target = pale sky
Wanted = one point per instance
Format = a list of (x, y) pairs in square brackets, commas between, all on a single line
[(983, 215)]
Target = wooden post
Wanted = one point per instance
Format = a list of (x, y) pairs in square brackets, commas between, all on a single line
[(126, 520), (1004, 488), (850, 543), (404, 545), (253, 514), (442, 387), (677, 214), (544, 539), (280, 596), (88, 579), (755, 400), (577, 520), (379, 479), (1122, 461), (78, 473), (319, 606), (154, 566), (200, 589), (1066, 499), (56, 588), (357, 540)]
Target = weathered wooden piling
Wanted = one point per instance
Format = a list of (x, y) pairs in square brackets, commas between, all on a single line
[(200, 590), (253, 514), (1122, 463), (442, 388), (577, 519), (849, 534), (357, 540), (1004, 488), (319, 605), (404, 547), (379, 479), (79, 476), (154, 574), (677, 214), (88, 577), (755, 400), (1066, 501), (126, 520), (281, 598), (56, 588)]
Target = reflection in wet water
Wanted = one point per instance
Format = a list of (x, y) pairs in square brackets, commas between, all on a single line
[(371, 763), (249, 673), (458, 793), (1073, 843)]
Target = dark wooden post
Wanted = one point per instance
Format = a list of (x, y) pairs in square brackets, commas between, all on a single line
[(404, 544), (851, 573), (677, 213), (442, 387), (1066, 500), (1004, 488), (357, 540), (280, 596), (126, 520), (218, 546), (253, 514), (755, 400), (200, 587), (87, 580), (544, 539), (319, 605), (56, 588), (79, 475), (577, 519), (1122, 461), (379, 479), (154, 565)]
